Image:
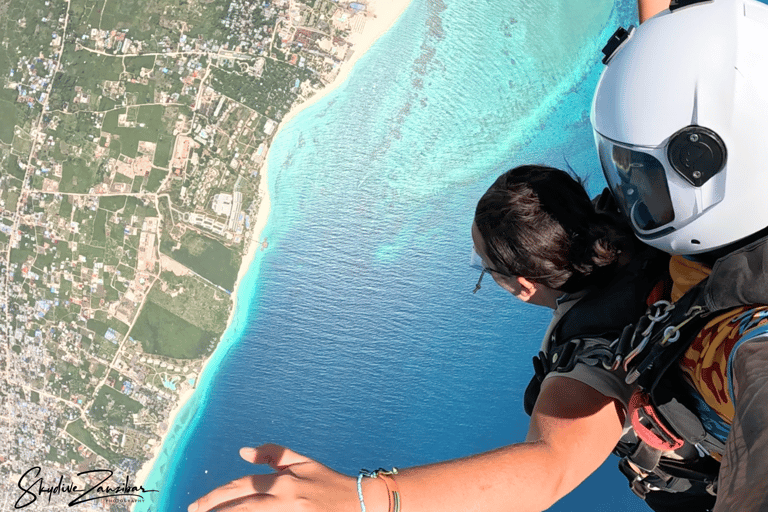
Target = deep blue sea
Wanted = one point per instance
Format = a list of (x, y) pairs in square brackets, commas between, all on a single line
[(357, 340)]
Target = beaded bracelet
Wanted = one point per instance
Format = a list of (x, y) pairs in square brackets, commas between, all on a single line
[(393, 492)]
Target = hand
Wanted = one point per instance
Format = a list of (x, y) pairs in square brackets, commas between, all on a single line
[(298, 484)]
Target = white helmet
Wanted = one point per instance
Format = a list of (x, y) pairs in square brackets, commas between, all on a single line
[(680, 118)]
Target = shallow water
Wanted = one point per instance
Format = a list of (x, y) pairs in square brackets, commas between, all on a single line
[(358, 340)]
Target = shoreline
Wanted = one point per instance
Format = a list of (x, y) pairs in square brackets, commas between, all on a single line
[(375, 27), (253, 246)]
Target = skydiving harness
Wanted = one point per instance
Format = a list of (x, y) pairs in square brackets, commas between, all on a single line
[(662, 422), (668, 447)]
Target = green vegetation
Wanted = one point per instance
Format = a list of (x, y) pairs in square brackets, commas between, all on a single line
[(271, 95), (21, 255), (150, 116), (84, 14), (141, 94), (77, 430), (135, 206), (200, 303), (83, 69), (325, 7), (44, 259), (11, 166), (8, 115), (117, 233), (11, 197), (71, 380), (207, 257), (65, 208), (63, 456), (122, 178), (99, 227), (163, 333), (22, 144), (155, 179), (75, 93), (92, 254), (133, 65), (126, 272), (114, 407), (104, 318), (112, 203), (103, 348), (77, 176), (139, 15), (106, 103), (163, 150), (207, 23), (29, 38), (99, 371), (97, 326)]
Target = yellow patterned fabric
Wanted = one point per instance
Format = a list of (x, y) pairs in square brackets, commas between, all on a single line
[(705, 363), (685, 275)]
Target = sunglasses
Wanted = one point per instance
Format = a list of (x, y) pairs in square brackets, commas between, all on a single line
[(477, 262)]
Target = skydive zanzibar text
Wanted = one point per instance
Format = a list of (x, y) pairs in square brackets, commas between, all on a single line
[(98, 491)]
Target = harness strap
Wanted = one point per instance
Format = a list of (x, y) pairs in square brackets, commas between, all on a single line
[(662, 438), (645, 457), (663, 480)]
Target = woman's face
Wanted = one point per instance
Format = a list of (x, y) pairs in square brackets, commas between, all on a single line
[(522, 288), (508, 283)]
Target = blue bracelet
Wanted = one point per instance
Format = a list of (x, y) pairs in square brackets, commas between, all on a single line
[(360, 491)]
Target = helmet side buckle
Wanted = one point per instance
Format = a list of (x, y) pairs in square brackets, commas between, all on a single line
[(615, 42)]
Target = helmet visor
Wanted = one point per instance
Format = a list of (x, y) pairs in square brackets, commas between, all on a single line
[(638, 183)]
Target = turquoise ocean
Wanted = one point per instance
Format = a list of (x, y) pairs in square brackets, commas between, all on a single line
[(357, 340)]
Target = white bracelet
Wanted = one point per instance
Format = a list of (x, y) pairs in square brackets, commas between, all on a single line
[(360, 491)]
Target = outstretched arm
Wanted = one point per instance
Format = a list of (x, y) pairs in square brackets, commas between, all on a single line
[(650, 8), (573, 430)]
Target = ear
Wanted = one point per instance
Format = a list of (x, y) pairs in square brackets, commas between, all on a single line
[(527, 289)]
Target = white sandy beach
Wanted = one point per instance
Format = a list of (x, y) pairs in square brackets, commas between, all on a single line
[(384, 14)]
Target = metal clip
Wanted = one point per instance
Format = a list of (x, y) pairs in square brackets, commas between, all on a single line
[(703, 452), (671, 335), (659, 315), (662, 311), (635, 352), (624, 342)]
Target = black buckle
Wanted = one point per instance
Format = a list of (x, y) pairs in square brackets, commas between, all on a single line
[(615, 41), (676, 4)]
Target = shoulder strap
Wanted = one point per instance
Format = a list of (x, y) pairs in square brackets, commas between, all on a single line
[(600, 317), (606, 310), (739, 278)]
